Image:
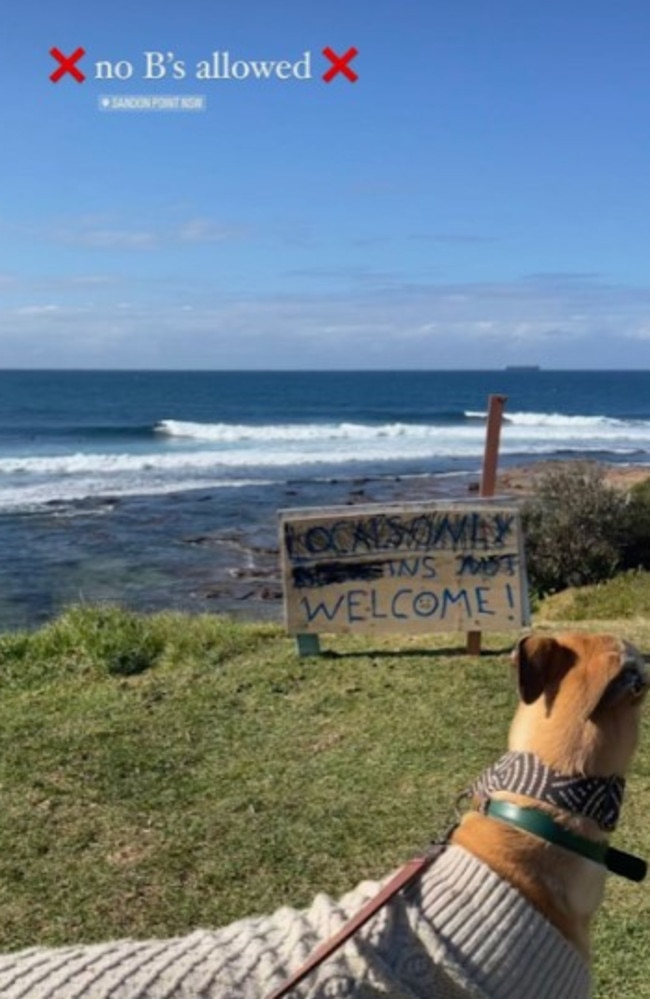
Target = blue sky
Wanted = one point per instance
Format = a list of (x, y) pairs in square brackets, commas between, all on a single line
[(478, 197)]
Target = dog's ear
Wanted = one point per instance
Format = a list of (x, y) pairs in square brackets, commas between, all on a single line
[(541, 663)]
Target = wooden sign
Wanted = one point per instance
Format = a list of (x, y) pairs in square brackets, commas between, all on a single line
[(403, 568)]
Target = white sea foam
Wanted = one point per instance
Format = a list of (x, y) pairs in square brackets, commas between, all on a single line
[(34, 497), (560, 420), (238, 446), (230, 433), (110, 466), (546, 423), (556, 420), (196, 455)]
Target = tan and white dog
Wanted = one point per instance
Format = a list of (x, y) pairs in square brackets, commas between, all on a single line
[(579, 713), (503, 913)]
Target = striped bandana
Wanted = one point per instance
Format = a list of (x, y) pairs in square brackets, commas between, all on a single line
[(597, 798)]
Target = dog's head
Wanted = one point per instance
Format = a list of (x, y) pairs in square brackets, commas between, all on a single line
[(580, 706)]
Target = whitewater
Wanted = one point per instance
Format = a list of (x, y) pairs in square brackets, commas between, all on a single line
[(174, 455), (161, 489)]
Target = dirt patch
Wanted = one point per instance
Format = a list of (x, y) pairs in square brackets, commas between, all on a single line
[(522, 481)]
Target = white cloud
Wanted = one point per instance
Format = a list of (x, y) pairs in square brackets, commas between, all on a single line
[(37, 310), (91, 280), (104, 233), (554, 322), (203, 230), (116, 239)]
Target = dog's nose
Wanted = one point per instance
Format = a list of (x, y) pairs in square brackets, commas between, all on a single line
[(641, 676), (636, 667)]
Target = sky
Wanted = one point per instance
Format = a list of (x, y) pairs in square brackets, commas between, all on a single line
[(470, 189)]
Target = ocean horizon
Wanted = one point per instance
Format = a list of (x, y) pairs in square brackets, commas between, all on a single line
[(161, 489)]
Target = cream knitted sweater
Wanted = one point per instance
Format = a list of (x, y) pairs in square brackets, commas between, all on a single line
[(459, 932)]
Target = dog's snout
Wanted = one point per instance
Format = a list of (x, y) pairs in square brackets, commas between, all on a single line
[(635, 669), (639, 680), (634, 674)]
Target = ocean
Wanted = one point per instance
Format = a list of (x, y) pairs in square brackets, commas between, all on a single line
[(161, 489)]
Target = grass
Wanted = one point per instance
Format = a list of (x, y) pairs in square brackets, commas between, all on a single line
[(624, 597), (167, 772)]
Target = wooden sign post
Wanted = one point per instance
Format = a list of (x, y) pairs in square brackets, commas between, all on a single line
[(489, 480), (407, 568), (492, 437)]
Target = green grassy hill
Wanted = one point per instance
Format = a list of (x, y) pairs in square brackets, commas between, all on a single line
[(167, 772)]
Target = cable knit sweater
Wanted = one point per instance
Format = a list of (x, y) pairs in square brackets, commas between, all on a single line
[(460, 931)]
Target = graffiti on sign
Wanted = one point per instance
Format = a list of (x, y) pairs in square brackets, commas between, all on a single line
[(405, 568)]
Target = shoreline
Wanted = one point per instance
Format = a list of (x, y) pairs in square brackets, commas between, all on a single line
[(201, 551), (521, 479)]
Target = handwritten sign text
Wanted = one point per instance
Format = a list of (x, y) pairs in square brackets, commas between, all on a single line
[(404, 568)]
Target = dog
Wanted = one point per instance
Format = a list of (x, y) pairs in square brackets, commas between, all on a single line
[(503, 912)]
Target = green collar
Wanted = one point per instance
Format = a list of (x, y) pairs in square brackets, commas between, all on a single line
[(542, 825)]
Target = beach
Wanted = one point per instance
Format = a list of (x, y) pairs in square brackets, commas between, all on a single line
[(161, 490), (521, 481), (200, 551)]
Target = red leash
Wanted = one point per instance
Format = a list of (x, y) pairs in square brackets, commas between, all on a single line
[(406, 875)]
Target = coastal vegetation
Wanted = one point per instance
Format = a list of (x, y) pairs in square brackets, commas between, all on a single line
[(581, 530), (165, 772)]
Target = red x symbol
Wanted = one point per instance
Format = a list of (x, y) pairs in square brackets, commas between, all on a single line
[(67, 65), (340, 64)]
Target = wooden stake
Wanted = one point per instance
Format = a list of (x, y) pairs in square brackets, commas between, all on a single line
[(492, 437), (308, 645), (489, 480), (473, 643)]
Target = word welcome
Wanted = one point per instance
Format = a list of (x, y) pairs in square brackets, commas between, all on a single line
[(362, 605)]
